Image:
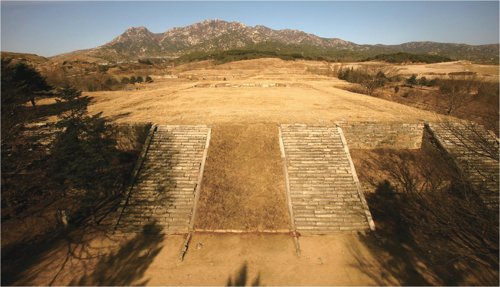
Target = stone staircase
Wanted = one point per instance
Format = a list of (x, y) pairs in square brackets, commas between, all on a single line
[(324, 191), (165, 190), (475, 152)]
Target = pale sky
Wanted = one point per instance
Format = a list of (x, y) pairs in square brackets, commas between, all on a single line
[(50, 28)]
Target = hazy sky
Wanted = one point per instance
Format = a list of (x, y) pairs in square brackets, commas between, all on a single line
[(50, 28)]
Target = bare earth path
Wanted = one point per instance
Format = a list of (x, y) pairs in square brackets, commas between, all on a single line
[(341, 259), (328, 260)]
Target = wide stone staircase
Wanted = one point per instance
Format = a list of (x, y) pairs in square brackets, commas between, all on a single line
[(474, 151), (324, 191), (165, 189)]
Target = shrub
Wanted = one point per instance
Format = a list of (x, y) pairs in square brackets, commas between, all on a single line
[(353, 76), (457, 91), (103, 68), (139, 79), (369, 80), (145, 61), (149, 79), (373, 83), (125, 80), (412, 80), (110, 83), (423, 81)]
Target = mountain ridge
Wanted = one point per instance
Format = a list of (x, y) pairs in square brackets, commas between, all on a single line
[(217, 35)]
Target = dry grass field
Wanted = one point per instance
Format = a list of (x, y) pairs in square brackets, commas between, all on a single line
[(487, 72), (265, 90)]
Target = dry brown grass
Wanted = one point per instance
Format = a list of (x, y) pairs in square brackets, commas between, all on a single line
[(490, 72), (306, 98), (243, 186)]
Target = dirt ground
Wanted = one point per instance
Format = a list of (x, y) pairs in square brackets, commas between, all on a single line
[(243, 186), (342, 259)]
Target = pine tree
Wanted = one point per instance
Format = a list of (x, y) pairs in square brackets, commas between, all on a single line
[(84, 154)]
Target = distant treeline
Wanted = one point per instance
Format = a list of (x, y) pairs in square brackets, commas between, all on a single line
[(276, 50), (409, 58), (238, 55), (308, 53)]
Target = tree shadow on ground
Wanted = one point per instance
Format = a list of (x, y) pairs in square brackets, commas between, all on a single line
[(127, 265), (24, 260), (119, 116), (390, 244), (41, 112), (18, 258), (49, 255), (403, 259), (241, 278)]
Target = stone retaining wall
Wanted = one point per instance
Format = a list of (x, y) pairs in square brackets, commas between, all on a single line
[(372, 135)]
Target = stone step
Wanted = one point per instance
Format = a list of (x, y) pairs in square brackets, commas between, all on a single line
[(324, 194), (470, 145), (164, 190)]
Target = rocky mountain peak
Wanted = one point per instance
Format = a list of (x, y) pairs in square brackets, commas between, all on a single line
[(137, 29), (133, 34), (215, 35)]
